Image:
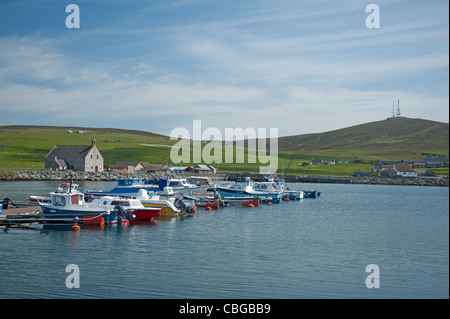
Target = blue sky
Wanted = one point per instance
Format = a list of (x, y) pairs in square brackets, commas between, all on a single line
[(299, 66)]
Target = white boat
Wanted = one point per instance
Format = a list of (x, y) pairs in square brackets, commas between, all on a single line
[(280, 186), (169, 206), (246, 187), (179, 186)]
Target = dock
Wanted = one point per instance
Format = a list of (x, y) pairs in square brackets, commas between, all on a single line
[(21, 210)]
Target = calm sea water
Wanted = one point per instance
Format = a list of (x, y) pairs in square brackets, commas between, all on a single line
[(313, 248)]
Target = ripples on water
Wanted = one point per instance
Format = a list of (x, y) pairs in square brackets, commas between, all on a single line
[(314, 248)]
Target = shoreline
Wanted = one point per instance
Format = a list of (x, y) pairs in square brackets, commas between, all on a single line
[(47, 175)]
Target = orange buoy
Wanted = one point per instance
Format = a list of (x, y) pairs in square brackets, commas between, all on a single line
[(76, 227), (208, 208), (251, 205), (270, 203)]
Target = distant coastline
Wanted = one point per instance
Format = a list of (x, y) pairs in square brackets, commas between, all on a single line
[(47, 175)]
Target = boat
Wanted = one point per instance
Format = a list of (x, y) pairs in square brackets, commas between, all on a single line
[(245, 188), (293, 195), (68, 204), (287, 193), (311, 194), (126, 187), (169, 206), (207, 201), (131, 205), (179, 186)]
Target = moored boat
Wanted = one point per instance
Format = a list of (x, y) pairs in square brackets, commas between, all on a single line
[(179, 186), (246, 188), (68, 204), (169, 206), (126, 187)]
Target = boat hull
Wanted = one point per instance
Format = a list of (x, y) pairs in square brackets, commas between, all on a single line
[(146, 214), (92, 217)]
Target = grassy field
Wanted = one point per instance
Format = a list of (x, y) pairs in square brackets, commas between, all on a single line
[(27, 146)]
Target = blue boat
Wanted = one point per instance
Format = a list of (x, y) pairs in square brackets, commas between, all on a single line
[(311, 194), (126, 187)]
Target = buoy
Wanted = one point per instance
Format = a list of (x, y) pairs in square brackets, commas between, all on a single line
[(76, 227), (270, 203), (251, 205), (208, 208)]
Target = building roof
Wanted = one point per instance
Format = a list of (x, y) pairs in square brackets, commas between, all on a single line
[(386, 170), (125, 164), (404, 168), (69, 151), (61, 162), (201, 166)]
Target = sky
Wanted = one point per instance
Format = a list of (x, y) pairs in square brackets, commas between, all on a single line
[(155, 65)]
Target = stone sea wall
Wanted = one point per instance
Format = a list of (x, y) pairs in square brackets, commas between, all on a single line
[(47, 175)]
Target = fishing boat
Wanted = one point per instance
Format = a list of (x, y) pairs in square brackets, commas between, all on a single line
[(179, 186), (246, 188), (279, 184), (126, 187), (169, 206), (68, 204)]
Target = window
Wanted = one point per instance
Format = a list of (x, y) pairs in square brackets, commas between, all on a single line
[(59, 201)]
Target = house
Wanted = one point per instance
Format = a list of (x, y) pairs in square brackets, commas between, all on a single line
[(202, 169), (75, 157), (213, 169), (129, 166), (405, 171), (439, 161), (316, 162), (419, 164), (153, 167), (388, 173), (180, 169), (426, 172)]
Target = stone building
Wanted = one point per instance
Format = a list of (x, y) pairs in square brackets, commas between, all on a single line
[(75, 157)]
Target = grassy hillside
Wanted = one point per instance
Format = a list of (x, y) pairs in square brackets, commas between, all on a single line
[(400, 138), (27, 146)]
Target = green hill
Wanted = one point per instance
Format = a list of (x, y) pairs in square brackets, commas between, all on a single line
[(397, 138), (400, 138)]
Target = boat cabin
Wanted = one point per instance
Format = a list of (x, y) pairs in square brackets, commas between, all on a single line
[(266, 187), (129, 182), (68, 188)]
